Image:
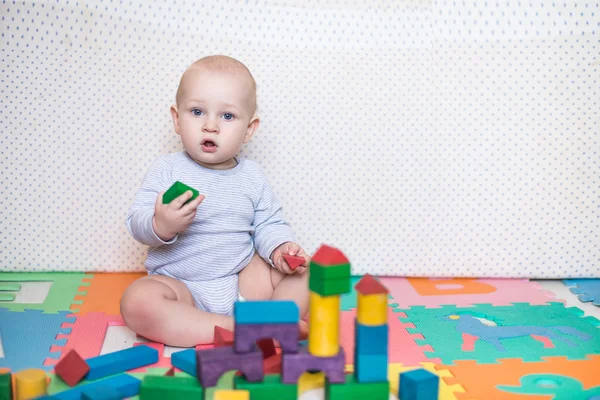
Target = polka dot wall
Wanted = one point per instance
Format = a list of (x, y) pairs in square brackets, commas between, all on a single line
[(442, 138)]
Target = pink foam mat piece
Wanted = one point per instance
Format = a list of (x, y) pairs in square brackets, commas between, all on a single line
[(401, 343), (87, 335), (503, 292)]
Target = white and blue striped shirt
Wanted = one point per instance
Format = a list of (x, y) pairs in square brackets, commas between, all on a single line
[(240, 215)]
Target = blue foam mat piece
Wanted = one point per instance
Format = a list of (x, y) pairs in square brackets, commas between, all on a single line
[(588, 290), (27, 337)]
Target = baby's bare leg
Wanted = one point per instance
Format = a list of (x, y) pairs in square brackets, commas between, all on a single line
[(260, 281), (162, 309)]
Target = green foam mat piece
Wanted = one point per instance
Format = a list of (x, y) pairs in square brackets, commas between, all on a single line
[(7, 296), (486, 333), (9, 287), (65, 286)]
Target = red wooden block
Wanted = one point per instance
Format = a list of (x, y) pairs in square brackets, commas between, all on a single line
[(293, 261), (369, 285), (272, 365), (223, 337), (328, 256), (268, 347), (72, 368), (170, 372)]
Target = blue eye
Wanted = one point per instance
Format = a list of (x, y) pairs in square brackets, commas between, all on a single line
[(228, 116), (197, 112)]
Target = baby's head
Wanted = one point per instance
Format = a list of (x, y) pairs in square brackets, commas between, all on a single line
[(215, 110)]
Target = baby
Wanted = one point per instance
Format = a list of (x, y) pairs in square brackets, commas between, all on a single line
[(227, 244)]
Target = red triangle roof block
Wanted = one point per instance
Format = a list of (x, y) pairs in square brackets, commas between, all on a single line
[(222, 337), (327, 255), (369, 285), (293, 261)]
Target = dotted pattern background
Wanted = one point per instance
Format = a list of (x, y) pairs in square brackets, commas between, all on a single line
[(421, 137)]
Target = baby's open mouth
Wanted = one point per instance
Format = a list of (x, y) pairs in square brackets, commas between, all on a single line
[(209, 146), (209, 143)]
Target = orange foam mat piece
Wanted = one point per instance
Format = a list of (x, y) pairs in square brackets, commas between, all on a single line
[(104, 293), (480, 380)]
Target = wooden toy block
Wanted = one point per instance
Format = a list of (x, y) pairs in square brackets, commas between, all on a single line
[(267, 346), (329, 256), (370, 339), (329, 287), (353, 390), (370, 367), (418, 384), (6, 386), (126, 384), (71, 368), (271, 388), (265, 312), (324, 325), (372, 297), (223, 337), (185, 360), (272, 365), (121, 361), (294, 365), (212, 363), (176, 190), (170, 372), (247, 335), (223, 394), (157, 387), (293, 261), (30, 383), (101, 392), (329, 263)]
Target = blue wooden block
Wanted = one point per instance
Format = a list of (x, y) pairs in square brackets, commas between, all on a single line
[(127, 385), (120, 361), (266, 312), (418, 384), (370, 339), (101, 392), (185, 360), (370, 367)]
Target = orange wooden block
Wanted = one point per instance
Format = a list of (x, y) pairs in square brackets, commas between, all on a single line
[(104, 293)]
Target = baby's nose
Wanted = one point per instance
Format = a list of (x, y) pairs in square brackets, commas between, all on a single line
[(211, 126)]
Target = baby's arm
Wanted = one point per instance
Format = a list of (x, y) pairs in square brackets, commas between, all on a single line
[(141, 213), (271, 229)]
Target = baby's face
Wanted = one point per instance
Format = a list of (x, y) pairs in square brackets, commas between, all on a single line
[(214, 116)]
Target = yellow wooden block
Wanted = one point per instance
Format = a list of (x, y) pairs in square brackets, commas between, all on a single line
[(30, 383), (372, 309), (324, 325), (222, 394)]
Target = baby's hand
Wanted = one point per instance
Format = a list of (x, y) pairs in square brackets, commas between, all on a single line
[(170, 219), (293, 249)]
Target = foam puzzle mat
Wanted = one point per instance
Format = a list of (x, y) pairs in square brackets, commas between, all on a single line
[(485, 338)]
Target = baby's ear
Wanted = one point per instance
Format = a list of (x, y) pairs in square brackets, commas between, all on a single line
[(175, 116), (252, 127)]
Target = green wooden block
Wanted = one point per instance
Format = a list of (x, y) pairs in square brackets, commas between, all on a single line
[(158, 387), (326, 272), (270, 388), (352, 390), (6, 386), (329, 287), (176, 190)]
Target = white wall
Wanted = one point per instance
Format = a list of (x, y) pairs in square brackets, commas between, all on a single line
[(420, 139)]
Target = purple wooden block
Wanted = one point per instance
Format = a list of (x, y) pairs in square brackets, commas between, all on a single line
[(246, 336), (294, 365), (212, 363)]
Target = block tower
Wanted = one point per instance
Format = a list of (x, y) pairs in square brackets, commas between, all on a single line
[(371, 331), (329, 278)]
